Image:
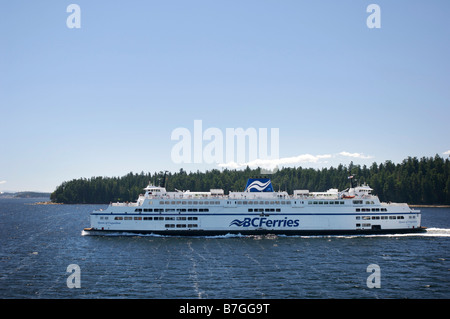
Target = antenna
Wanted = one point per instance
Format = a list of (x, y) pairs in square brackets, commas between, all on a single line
[(351, 181), (163, 184)]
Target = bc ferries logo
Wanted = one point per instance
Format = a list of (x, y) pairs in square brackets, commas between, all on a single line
[(259, 185), (265, 222)]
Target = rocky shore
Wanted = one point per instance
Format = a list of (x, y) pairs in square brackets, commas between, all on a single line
[(47, 203)]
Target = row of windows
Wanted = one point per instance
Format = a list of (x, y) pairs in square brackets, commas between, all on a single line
[(363, 225), (183, 202), (321, 202), (171, 210), (181, 225), (373, 210), (149, 218), (360, 202), (239, 202), (262, 210), (263, 202), (382, 217)]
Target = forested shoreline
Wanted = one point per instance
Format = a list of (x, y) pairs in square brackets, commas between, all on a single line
[(424, 181)]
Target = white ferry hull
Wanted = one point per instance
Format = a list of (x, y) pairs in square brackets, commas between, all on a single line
[(246, 213), (256, 224)]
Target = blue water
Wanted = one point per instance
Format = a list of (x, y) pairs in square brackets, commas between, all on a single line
[(39, 242)]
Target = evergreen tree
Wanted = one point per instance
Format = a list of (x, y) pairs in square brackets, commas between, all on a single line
[(424, 181)]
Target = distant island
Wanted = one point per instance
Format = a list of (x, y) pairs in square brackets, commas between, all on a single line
[(25, 195), (424, 181)]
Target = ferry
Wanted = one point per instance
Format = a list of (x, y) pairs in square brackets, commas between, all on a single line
[(258, 210)]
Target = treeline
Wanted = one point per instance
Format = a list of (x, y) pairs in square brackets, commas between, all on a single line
[(414, 181)]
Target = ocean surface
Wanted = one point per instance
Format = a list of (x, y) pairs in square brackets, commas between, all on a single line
[(39, 242)]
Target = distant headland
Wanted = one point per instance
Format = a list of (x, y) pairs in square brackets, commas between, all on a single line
[(25, 195)]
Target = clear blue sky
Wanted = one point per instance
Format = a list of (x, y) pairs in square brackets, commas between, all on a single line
[(104, 99)]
